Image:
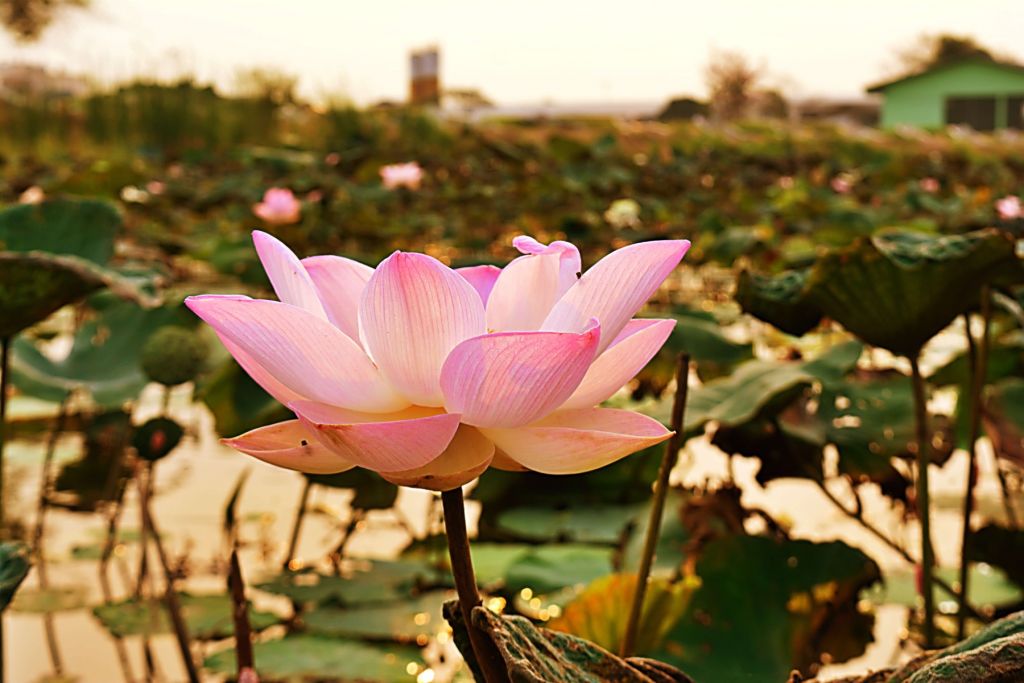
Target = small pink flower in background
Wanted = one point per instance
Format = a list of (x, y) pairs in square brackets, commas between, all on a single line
[(155, 187), (314, 196), (248, 675), (1009, 207), (332, 159), (408, 175), (841, 185), (33, 195), (429, 375), (279, 207), (929, 185), (786, 182)]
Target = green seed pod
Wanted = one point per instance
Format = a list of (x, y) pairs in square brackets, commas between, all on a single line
[(173, 355)]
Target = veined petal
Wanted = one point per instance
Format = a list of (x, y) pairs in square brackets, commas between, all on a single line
[(616, 287), (291, 282), (639, 340), (339, 283), (512, 378), (413, 312), (524, 293), (465, 459), (482, 278), (571, 264), (289, 445), (304, 353), (389, 442), (575, 441)]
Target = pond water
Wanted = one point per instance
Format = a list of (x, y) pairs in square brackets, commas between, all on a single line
[(193, 485)]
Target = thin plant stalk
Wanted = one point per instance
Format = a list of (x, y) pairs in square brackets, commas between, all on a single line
[(487, 656), (240, 615), (923, 510), (5, 353), (300, 515), (42, 571), (170, 595), (979, 370), (1011, 514), (661, 486)]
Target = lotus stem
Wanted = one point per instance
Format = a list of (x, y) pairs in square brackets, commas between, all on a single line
[(300, 514), (923, 510), (170, 596), (487, 656), (240, 615), (5, 353), (978, 354), (661, 485)]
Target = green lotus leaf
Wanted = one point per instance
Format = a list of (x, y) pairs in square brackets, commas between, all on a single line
[(208, 617), (53, 254), (307, 657), (898, 289), (781, 300), (403, 621), (104, 359)]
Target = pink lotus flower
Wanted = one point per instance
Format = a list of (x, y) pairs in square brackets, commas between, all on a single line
[(929, 185), (841, 185), (279, 207), (408, 175), (1009, 207), (430, 375)]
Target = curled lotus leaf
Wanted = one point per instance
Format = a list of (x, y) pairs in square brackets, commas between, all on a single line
[(780, 300)]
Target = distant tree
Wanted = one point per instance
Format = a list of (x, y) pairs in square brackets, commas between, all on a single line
[(732, 84), (932, 50), (27, 19), (736, 90), (266, 83)]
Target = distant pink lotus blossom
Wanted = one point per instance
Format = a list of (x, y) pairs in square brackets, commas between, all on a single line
[(929, 185), (1009, 207), (279, 207), (332, 159), (155, 187), (841, 185), (430, 375), (408, 175), (314, 196)]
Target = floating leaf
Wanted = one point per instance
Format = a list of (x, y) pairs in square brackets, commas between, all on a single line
[(301, 657), (579, 523), (547, 568), (999, 547), (407, 621), (208, 617), (51, 600), (989, 586), (377, 583)]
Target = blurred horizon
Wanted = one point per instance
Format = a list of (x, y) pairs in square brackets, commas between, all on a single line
[(565, 53)]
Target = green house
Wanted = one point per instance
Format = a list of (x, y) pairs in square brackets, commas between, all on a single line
[(984, 95)]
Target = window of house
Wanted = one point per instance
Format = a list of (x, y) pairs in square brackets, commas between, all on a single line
[(977, 112)]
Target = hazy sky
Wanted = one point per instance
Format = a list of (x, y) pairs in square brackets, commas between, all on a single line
[(516, 52)]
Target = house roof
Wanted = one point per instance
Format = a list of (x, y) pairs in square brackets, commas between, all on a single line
[(1008, 66)]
